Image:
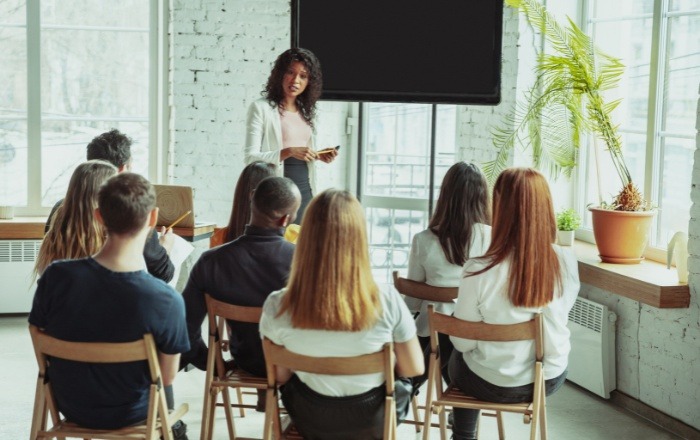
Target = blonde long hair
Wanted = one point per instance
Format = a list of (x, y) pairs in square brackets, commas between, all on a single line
[(331, 285), (523, 231), (74, 232)]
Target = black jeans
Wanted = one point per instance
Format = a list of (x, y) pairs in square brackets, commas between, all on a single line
[(446, 349), (465, 420), (321, 417)]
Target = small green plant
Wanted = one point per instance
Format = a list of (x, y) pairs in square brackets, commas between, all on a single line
[(568, 220)]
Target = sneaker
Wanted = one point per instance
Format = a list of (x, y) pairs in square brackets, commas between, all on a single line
[(180, 430)]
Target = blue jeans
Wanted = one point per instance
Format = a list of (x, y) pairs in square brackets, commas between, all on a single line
[(465, 420)]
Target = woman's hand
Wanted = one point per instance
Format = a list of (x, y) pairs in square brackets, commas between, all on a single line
[(328, 155), (302, 153)]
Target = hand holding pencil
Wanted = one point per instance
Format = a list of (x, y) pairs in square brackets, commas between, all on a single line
[(167, 237)]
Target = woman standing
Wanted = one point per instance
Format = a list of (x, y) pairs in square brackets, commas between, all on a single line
[(332, 307), (522, 273), (74, 232), (280, 126)]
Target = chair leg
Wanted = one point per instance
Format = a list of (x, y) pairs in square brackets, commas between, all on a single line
[(443, 424), (40, 410), (536, 400), (239, 394), (427, 414), (416, 414), (228, 413), (206, 409), (543, 417), (501, 430)]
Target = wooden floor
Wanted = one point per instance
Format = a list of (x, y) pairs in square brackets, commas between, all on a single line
[(573, 413)]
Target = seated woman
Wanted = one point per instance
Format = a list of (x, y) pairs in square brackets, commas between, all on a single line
[(522, 273), (74, 231), (251, 175), (458, 230), (332, 307)]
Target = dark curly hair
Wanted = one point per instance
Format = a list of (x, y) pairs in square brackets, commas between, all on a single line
[(306, 101), (112, 146)]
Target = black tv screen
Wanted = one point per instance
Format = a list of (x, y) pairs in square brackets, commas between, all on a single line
[(439, 51)]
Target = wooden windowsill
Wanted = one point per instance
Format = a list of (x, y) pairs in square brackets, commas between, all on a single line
[(648, 282), (32, 228), (22, 228)]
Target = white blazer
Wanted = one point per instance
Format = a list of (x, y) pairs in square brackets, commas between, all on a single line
[(264, 138)]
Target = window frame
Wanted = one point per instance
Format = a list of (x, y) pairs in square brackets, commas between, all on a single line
[(654, 132), (158, 101)]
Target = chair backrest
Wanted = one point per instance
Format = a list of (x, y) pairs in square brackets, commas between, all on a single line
[(229, 311), (424, 291), (481, 331), (379, 362), (95, 352)]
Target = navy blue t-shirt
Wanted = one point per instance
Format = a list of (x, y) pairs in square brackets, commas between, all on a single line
[(82, 301)]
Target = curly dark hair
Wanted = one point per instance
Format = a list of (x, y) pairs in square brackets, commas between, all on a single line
[(306, 101), (112, 146)]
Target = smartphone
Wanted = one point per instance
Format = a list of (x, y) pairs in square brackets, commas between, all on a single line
[(336, 148)]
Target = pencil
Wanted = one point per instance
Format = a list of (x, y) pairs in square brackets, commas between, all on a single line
[(179, 219)]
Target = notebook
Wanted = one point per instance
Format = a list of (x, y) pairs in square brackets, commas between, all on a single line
[(172, 202)]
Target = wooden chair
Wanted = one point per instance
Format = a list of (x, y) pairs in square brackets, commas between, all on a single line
[(425, 292), (217, 380), (158, 423), (276, 355), (534, 412)]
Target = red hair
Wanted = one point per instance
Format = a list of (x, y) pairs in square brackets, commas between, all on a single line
[(523, 231)]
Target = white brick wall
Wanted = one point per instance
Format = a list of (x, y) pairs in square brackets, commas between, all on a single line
[(221, 56)]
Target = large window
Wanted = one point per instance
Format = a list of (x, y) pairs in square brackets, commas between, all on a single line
[(401, 155), (659, 42), (70, 70)]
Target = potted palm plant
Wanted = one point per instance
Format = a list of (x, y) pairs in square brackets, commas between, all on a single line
[(565, 102)]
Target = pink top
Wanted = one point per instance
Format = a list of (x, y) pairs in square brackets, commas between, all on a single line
[(295, 131)]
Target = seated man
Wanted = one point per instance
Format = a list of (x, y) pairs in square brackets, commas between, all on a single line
[(115, 147), (111, 298), (244, 272)]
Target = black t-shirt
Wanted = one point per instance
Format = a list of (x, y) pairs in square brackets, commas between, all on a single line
[(82, 301)]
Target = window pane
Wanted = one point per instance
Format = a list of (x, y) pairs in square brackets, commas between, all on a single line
[(94, 73), (684, 5), (13, 12), (605, 9), (64, 147), (390, 232), (13, 162), (13, 104), (674, 203), (445, 143), (397, 160), (122, 13), (682, 77), (635, 51)]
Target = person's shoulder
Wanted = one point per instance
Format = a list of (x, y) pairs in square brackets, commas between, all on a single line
[(272, 303), (261, 104), (59, 267)]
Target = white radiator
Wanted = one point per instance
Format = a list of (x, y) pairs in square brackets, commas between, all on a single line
[(592, 357), (17, 259)]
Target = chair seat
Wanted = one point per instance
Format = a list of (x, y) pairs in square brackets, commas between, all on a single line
[(238, 378), (68, 429), (453, 396)]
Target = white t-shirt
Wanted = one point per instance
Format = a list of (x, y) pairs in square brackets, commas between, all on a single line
[(484, 297), (395, 324), (427, 263)]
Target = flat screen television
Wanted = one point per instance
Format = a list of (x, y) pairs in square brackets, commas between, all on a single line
[(427, 51)]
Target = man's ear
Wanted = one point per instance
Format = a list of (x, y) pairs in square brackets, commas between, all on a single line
[(98, 217), (153, 218)]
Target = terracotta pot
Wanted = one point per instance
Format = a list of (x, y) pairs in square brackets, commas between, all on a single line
[(621, 236)]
